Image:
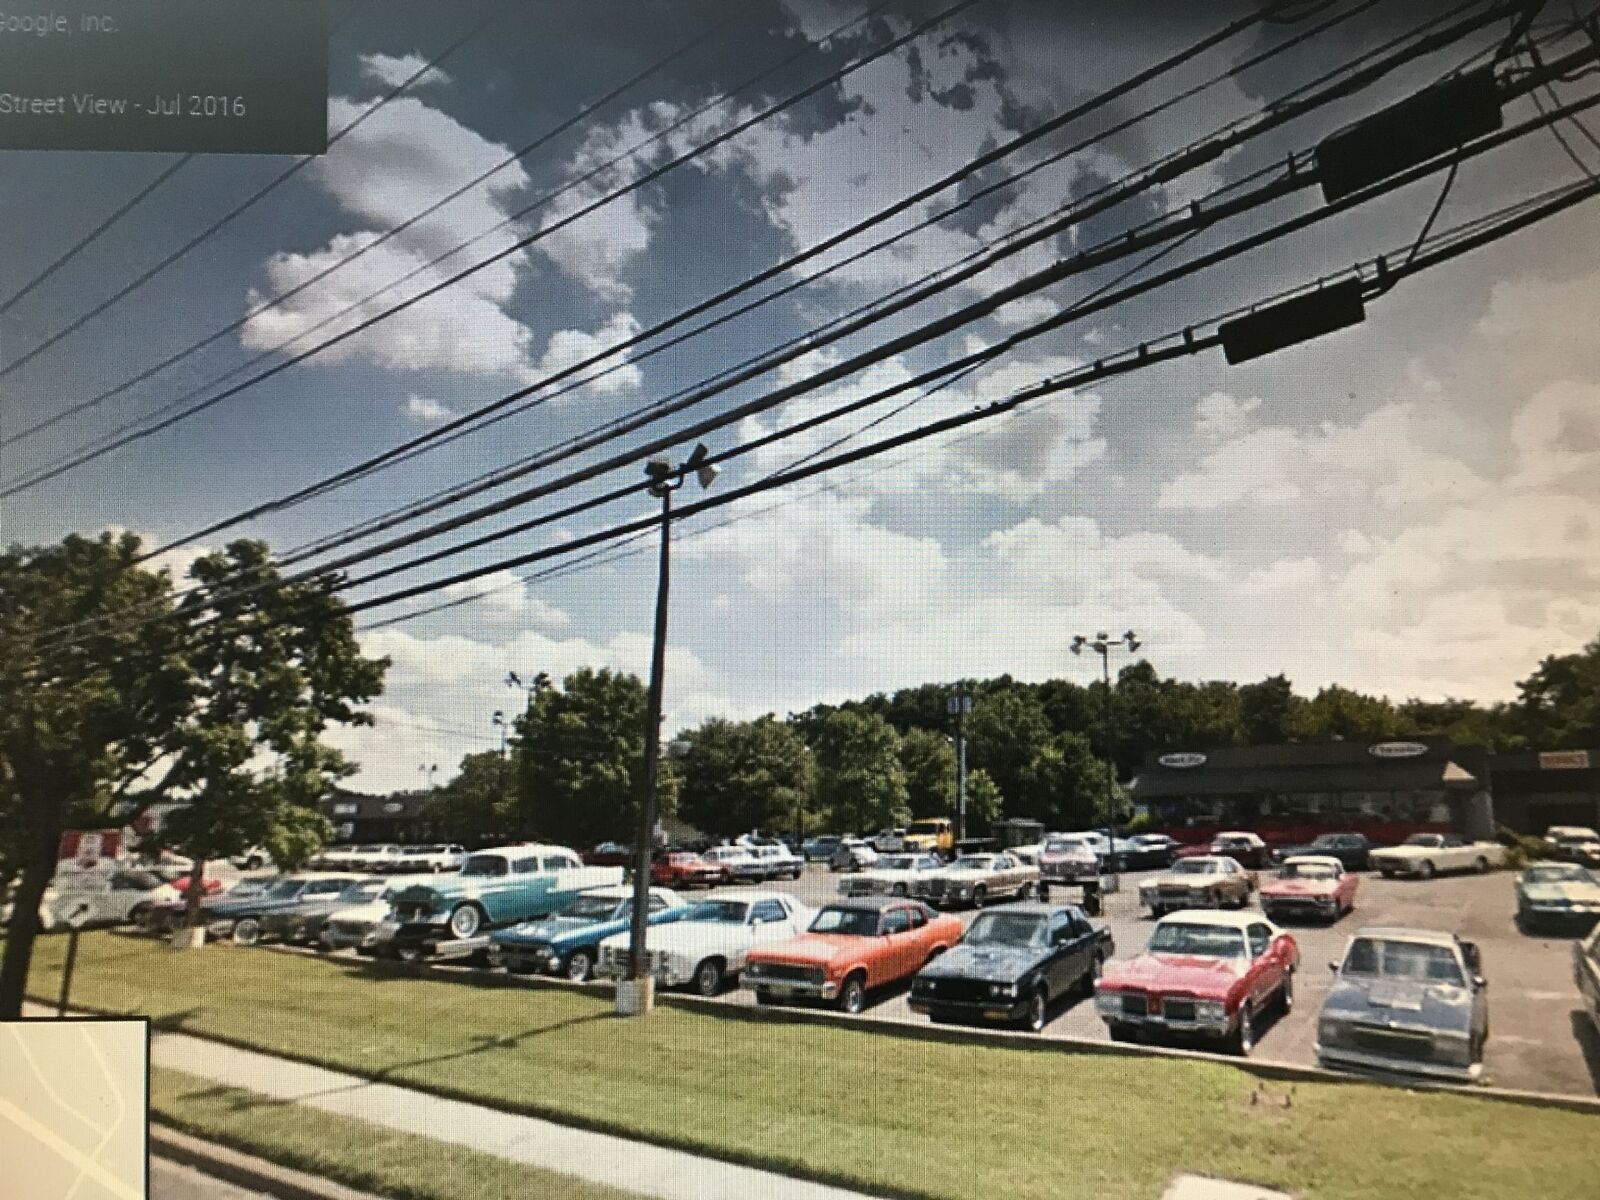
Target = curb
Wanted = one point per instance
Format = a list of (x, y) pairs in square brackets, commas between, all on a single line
[(244, 1170)]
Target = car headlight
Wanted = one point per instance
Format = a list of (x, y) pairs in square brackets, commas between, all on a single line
[(924, 987), (1002, 989), (1108, 1002), (1211, 1011), (754, 969), (816, 975)]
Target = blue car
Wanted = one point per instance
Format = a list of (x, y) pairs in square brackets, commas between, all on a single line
[(569, 943)]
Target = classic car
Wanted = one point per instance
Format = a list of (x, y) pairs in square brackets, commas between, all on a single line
[(494, 888), (888, 841), (179, 879), (709, 944), (1028, 853), (1311, 885), (685, 869), (1147, 850), (437, 859), (1425, 855), (1012, 965), (1068, 858), (892, 875), (1351, 849), (568, 943), (1406, 1001), (303, 922), (1246, 849), (355, 926), (976, 879), (740, 863), (380, 857), (112, 895), (252, 859), (1554, 895), (778, 861), (851, 948), (1211, 882), (852, 854), (167, 916), (1203, 975), (241, 917), (819, 848), (935, 834), (1114, 852), (1586, 973), (609, 854), (1574, 844)]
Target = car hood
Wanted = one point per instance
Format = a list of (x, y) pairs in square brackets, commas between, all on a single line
[(1400, 1002), (1178, 879), (1083, 856), (1300, 887), (550, 929), (999, 963), (224, 906), (1200, 975), (1544, 893), (691, 937), (893, 876), (374, 912), (815, 948), (1406, 851)]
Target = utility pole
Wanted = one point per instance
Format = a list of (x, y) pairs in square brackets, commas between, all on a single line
[(499, 719), (959, 706), (1103, 645), (636, 994)]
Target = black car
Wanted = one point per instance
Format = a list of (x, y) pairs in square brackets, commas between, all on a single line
[(241, 918), (1012, 964), (1144, 851), (1351, 849)]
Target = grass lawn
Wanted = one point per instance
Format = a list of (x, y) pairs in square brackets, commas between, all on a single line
[(355, 1153), (883, 1113)]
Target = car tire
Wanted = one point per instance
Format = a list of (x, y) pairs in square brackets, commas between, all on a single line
[(1244, 1037), (1044, 892), (1038, 1013), (465, 922), (708, 977), (1482, 865), (853, 995), (899, 889), (254, 863), (1096, 965), (1286, 995), (1425, 870), (1386, 872), (1025, 892), (579, 967), (763, 996), (246, 931), (979, 895)]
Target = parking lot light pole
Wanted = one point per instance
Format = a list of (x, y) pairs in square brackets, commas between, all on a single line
[(1102, 645), (959, 706), (635, 996)]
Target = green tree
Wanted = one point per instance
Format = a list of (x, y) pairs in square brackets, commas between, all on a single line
[(744, 775), (1462, 721), (861, 785), (929, 762), (1558, 705), (1065, 786), (984, 801), (1338, 712), (479, 804), (1005, 732), (581, 750), (271, 666), (91, 679), (1267, 711)]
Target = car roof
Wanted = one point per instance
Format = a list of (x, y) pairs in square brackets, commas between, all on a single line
[(873, 903), (1235, 920), (752, 897), (1200, 858), (530, 848), (1036, 909), (1400, 933), (1236, 833), (1312, 860)]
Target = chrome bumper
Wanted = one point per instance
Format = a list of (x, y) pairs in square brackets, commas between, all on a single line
[(790, 987), (1361, 1060)]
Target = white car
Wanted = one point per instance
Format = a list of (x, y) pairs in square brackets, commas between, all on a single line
[(1428, 854), (709, 946), (372, 858), (852, 854), (253, 859), (438, 858), (889, 841), (113, 894), (891, 875), (740, 861), (779, 862), (355, 927)]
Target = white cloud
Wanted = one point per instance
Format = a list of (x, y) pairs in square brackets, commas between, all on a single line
[(1221, 416), (503, 598), (423, 408), (569, 346), (1285, 575), (393, 72)]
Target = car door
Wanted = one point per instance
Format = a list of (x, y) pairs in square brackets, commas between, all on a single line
[(1266, 968), (1586, 973), (771, 921), (903, 930), (1068, 936)]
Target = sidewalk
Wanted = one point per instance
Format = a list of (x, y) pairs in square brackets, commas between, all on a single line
[(632, 1166)]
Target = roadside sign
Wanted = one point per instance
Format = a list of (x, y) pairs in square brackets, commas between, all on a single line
[(1397, 750), (1182, 760), (1564, 760)]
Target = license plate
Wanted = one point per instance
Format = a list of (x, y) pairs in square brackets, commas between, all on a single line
[(386, 931), (781, 989)]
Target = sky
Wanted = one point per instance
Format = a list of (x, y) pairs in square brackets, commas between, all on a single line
[(1409, 507)]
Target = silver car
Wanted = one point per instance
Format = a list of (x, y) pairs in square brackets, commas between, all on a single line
[(1406, 1002)]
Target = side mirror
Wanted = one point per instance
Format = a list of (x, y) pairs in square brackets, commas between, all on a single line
[(1478, 981), (1333, 967)]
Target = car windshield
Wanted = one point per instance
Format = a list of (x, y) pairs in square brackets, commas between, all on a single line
[(1196, 866), (1006, 929), (1422, 839), (364, 892), (591, 908), (1556, 874), (973, 862), (923, 827), (1327, 840), (285, 889), (1063, 845), (857, 922), (430, 849), (1235, 842), (249, 887), (1210, 941), (484, 864), (1308, 871), (897, 862), (730, 912), (1416, 961)]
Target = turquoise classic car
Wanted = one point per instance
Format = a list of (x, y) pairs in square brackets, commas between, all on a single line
[(569, 942), (494, 888)]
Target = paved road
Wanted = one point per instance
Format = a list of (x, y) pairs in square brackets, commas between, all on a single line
[(174, 1181)]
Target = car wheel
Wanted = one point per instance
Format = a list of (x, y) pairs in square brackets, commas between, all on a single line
[(579, 966), (1244, 1037), (708, 977), (899, 889), (1286, 995), (1123, 1033), (1386, 872), (763, 996), (1096, 965), (979, 895), (1425, 870), (254, 863), (1483, 865), (1038, 1012), (466, 921), (853, 995), (1025, 892), (246, 931)]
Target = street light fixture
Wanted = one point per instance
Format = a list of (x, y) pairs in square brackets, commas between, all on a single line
[(499, 719), (1102, 645), (636, 994)]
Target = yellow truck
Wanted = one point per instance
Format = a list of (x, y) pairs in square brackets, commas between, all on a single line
[(936, 834)]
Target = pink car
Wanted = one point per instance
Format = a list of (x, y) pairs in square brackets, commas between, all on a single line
[(1310, 885)]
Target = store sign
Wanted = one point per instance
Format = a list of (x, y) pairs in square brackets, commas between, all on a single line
[(1181, 760), (1564, 760), (87, 845), (218, 76), (1397, 750)]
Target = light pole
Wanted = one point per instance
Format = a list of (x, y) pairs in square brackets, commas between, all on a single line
[(959, 706), (499, 719), (636, 995), (1102, 645)]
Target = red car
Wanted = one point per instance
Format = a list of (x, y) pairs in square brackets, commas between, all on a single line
[(1246, 849), (1310, 885), (1209, 976), (682, 869)]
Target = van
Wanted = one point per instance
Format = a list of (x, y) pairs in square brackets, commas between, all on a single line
[(937, 834)]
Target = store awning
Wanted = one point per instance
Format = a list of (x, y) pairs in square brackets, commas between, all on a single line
[(1277, 781)]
